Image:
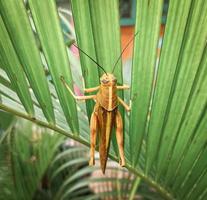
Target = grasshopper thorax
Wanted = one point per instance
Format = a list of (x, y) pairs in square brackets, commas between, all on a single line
[(107, 97), (108, 80)]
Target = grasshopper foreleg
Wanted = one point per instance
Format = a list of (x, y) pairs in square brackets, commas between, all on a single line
[(74, 96), (93, 129), (119, 138)]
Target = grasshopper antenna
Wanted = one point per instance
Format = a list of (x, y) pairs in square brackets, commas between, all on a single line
[(90, 58), (124, 50)]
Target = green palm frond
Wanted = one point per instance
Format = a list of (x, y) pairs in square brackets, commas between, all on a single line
[(165, 134), (25, 153)]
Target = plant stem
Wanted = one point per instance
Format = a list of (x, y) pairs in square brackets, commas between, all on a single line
[(134, 188), (165, 194)]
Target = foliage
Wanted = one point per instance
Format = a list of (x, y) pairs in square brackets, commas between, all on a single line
[(39, 164), (165, 135)]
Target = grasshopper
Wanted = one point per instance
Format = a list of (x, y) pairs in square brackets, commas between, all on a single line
[(105, 115)]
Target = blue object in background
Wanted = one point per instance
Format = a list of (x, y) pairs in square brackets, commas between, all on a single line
[(128, 12)]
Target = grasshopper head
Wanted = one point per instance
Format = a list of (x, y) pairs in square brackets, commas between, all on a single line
[(108, 79)]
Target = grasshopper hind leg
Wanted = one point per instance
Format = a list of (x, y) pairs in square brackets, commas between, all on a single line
[(93, 130), (119, 138)]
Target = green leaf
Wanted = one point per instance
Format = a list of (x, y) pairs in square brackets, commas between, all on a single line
[(134, 188), (13, 67), (190, 130), (167, 66), (148, 21), (24, 149), (83, 27), (106, 31), (17, 21), (188, 66), (172, 45), (45, 17), (5, 121)]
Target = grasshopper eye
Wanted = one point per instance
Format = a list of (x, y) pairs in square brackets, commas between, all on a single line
[(105, 81)]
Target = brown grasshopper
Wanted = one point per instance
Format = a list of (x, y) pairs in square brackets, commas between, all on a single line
[(105, 115)]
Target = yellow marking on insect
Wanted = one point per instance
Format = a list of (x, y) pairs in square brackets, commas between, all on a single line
[(108, 128), (110, 98)]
